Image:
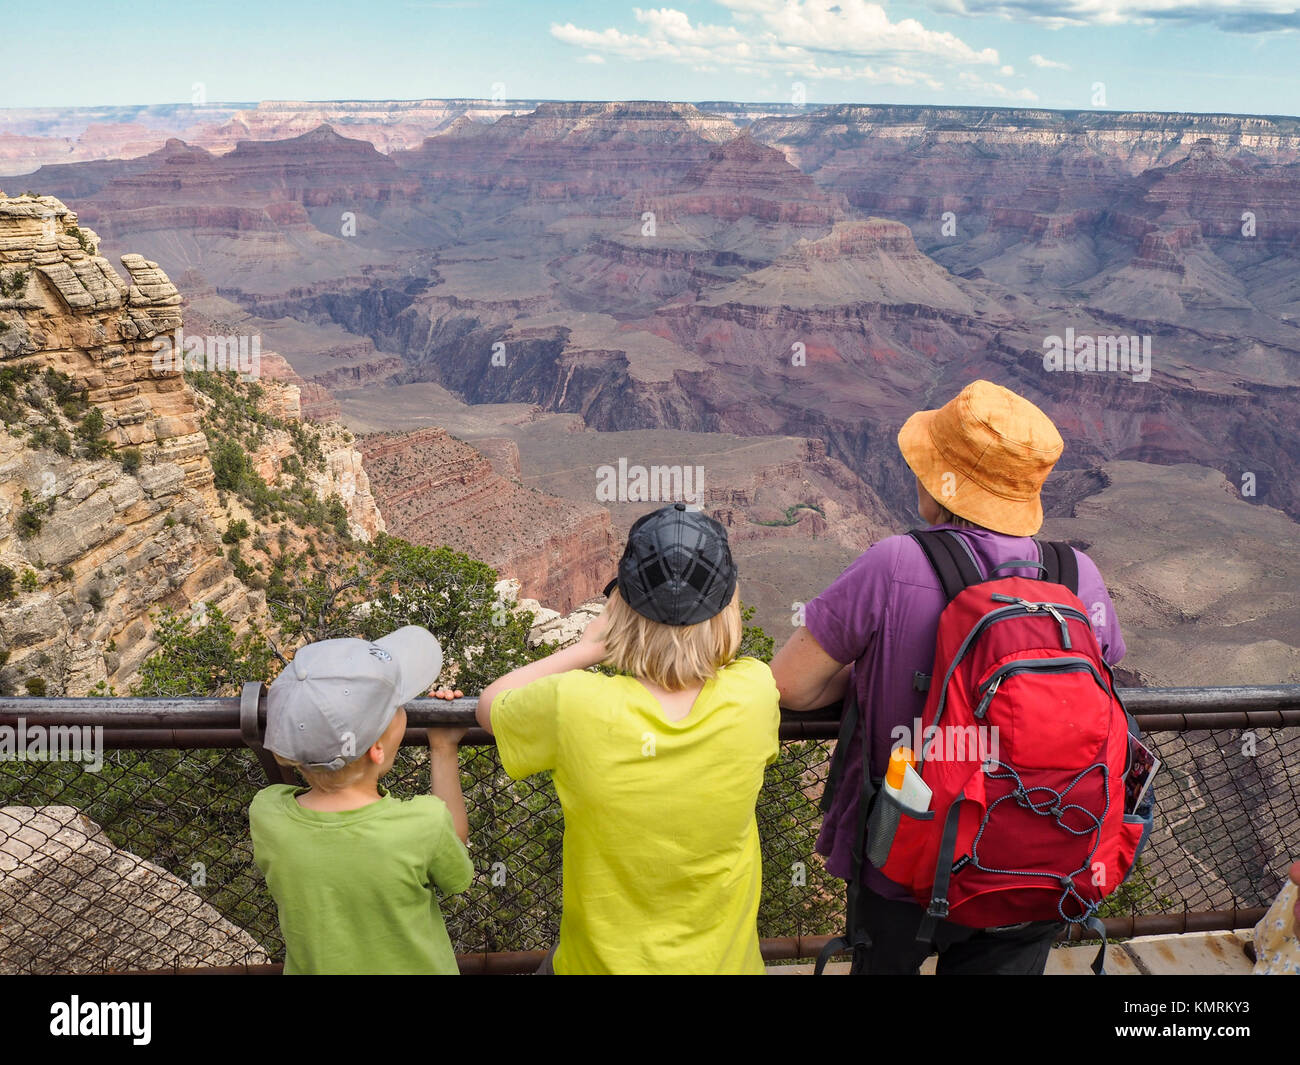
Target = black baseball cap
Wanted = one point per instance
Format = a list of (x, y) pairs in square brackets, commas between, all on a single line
[(677, 567)]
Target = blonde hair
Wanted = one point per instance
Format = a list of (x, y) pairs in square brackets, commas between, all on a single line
[(947, 517), (331, 780), (674, 657)]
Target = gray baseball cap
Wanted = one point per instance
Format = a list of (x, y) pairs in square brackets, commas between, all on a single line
[(336, 697)]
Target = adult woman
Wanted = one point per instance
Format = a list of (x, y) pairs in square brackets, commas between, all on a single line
[(985, 454)]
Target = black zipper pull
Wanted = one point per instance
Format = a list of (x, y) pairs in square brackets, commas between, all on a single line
[(983, 707), (1065, 629)]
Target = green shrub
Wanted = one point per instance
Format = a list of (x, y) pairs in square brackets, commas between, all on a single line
[(131, 459), (68, 394), (82, 239), (91, 433), (29, 523), (237, 530), (30, 582), (243, 570), (232, 469), (201, 654), (336, 515), (35, 686), (7, 579), (14, 284)]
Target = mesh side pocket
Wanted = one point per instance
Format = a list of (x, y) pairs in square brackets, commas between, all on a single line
[(881, 827)]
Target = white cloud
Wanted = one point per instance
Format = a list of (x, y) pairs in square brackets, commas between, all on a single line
[(1007, 71), (848, 39), (973, 83), (591, 57), (1047, 64), (855, 27), (1238, 16)]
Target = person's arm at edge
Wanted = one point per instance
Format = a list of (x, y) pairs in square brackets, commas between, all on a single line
[(444, 770), (588, 651), (806, 676)]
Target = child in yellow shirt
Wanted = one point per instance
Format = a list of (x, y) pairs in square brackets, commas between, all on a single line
[(658, 771)]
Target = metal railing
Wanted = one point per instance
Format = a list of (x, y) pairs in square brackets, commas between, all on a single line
[(146, 864)]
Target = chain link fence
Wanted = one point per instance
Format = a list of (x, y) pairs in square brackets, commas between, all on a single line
[(147, 862)]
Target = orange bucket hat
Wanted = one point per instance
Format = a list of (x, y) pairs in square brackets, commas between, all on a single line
[(984, 456)]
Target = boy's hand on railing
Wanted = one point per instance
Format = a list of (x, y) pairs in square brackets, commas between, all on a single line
[(445, 738)]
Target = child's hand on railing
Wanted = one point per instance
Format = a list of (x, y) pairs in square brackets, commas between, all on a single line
[(443, 737)]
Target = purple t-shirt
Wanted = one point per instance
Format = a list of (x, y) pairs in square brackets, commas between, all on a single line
[(882, 614)]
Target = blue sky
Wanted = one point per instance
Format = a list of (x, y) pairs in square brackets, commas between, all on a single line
[(1193, 55)]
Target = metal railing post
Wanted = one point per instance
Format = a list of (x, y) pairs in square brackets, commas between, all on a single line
[(251, 697)]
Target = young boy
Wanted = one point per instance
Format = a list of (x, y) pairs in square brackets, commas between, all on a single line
[(658, 771), (352, 869)]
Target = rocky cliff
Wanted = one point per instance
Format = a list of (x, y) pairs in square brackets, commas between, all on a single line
[(106, 489), (568, 152), (341, 473), (435, 490)]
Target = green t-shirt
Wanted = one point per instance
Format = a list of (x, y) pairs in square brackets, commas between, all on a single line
[(355, 888), (662, 868)]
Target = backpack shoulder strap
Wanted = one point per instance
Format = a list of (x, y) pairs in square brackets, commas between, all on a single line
[(950, 559), (1061, 564)]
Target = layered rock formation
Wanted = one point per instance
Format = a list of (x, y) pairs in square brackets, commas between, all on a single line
[(550, 628), (33, 136), (862, 261), (314, 401), (103, 544), (319, 167), (342, 475), (1133, 140), (569, 151), (745, 179), (523, 277), (435, 490)]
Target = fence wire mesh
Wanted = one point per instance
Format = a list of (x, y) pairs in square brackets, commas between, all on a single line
[(147, 863)]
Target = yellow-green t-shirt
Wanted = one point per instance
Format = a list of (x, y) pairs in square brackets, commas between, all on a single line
[(662, 870), (355, 889)]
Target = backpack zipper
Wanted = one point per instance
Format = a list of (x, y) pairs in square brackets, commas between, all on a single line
[(1032, 665), (1018, 608), (1052, 608)]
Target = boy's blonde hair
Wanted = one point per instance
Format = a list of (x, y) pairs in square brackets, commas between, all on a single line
[(330, 780), (674, 657)]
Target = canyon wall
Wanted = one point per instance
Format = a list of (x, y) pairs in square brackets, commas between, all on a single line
[(96, 539), (436, 490)]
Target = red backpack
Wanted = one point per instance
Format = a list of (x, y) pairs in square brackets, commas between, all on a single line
[(1025, 750)]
